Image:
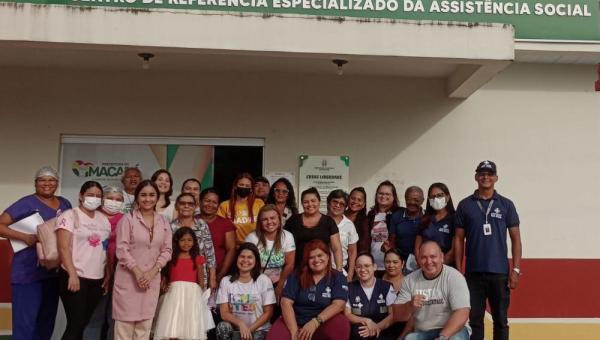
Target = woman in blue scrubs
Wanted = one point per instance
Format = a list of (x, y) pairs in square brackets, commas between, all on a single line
[(368, 303), (34, 289)]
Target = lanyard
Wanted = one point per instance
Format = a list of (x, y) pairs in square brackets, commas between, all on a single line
[(489, 208)]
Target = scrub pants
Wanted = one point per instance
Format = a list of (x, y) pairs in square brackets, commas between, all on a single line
[(34, 307)]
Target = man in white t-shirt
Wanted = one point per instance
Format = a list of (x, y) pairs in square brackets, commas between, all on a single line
[(436, 296)]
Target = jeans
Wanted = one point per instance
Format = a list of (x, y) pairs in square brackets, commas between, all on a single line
[(493, 288), (463, 334), (226, 331), (101, 326)]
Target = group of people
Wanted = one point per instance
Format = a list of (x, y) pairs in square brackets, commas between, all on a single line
[(135, 262)]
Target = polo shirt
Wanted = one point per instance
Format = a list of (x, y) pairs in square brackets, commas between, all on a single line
[(441, 231), (406, 230), (309, 302), (486, 253)]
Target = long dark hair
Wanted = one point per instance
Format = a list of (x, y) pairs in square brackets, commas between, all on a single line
[(194, 252), (260, 233), (291, 198), (249, 200), (142, 185), (429, 211), (403, 257), (361, 216), (255, 272), (168, 193)]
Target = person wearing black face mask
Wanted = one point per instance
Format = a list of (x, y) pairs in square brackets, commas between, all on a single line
[(242, 207)]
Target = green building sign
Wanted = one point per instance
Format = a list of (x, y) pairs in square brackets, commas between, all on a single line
[(573, 20)]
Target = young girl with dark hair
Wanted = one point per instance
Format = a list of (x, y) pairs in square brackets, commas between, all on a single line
[(245, 298), (184, 313)]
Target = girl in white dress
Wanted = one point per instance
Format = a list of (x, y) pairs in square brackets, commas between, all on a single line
[(184, 313)]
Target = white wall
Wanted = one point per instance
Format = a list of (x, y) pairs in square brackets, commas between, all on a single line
[(540, 123)]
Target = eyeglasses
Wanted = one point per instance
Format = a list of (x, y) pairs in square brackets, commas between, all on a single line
[(187, 203), (438, 195), (282, 191), (337, 203)]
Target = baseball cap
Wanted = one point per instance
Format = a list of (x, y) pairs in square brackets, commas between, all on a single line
[(486, 166)]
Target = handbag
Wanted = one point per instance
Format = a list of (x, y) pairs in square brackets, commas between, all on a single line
[(47, 247)]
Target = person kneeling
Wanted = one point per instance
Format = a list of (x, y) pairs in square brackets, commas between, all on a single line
[(245, 298), (437, 298), (313, 300), (368, 304)]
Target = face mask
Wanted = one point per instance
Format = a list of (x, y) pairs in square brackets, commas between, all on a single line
[(112, 207), (91, 203), (438, 203), (243, 192)]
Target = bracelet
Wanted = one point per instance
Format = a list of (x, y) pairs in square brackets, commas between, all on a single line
[(317, 321)]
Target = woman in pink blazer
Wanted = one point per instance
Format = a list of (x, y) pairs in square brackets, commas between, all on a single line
[(143, 248)]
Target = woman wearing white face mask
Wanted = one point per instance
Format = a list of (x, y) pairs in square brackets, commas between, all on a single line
[(438, 222), (101, 325), (82, 235)]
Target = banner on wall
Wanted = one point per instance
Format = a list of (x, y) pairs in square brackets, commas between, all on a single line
[(105, 163), (326, 173), (575, 20)]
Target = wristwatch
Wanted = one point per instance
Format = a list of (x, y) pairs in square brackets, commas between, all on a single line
[(319, 320), (442, 337), (517, 270)]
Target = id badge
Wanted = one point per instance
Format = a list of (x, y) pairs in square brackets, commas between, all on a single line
[(356, 311), (487, 229), (383, 309)]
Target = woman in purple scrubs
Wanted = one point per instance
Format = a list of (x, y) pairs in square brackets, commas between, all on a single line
[(34, 289)]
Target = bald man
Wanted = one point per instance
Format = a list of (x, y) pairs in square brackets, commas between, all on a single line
[(436, 296)]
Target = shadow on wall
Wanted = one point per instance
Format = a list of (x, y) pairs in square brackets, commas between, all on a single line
[(548, 78), (372, 119)]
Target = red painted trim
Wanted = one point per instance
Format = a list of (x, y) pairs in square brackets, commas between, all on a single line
[(557, 288), (5, 261)]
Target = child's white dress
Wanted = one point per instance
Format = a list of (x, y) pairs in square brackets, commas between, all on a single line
[(184, 312)]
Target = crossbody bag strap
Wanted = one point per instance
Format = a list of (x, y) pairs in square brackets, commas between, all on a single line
[(268, 258)]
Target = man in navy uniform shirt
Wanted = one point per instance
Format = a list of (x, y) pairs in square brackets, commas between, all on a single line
[(484, 219)]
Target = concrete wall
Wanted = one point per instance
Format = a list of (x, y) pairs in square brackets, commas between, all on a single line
[(540, 123)]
